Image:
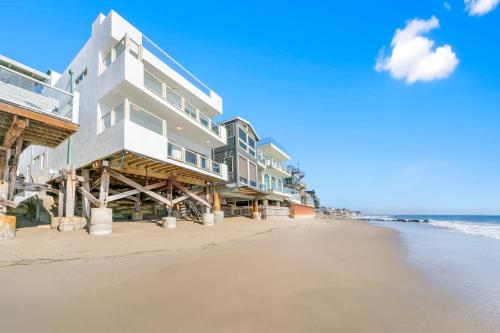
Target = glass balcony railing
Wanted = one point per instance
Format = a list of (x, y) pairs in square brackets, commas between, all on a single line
[(19, 89), (277, 165), (190, 157), (172, 63), (165, 92)]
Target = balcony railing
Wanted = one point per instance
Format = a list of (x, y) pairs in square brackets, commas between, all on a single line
[(159, 88), (190, 157), (277, 165), (29, 93), (171, 62)]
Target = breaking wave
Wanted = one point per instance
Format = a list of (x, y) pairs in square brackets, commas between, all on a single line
[(476, 228)]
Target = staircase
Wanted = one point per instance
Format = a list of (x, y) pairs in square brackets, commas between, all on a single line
[(193, 210)]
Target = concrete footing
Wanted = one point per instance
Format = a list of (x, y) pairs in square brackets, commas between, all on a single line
[(7, 227), (169, 222), (219, 217), (256, 215), (101, 221), (137, 216), (71, 223), (208, 219)]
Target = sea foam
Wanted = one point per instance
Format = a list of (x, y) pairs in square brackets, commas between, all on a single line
[(477, 229)]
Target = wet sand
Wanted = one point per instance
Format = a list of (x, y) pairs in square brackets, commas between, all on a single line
[(242, 276)]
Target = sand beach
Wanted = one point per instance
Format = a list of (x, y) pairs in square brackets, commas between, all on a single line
[(242, 276)]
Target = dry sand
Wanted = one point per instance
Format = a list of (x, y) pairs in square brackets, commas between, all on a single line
[(242, 276)]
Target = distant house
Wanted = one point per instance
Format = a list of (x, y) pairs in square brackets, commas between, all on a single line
[(244, 169), (276, 173)]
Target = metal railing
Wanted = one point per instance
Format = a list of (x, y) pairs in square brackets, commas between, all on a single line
[(171, 62), (30, 93), (190, 157), (161, 89), (277, 165)]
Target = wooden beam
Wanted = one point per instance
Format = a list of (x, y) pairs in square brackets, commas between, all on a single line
[(16, 129), (96, 202), (139, 187), (191, 194), (126, 194), (33, 115), (184, 197), (7, 203)]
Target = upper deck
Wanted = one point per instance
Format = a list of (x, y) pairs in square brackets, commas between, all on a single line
[(49, 115)]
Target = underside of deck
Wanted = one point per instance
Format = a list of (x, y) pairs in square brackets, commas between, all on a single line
[(144, 168), (36, 128)]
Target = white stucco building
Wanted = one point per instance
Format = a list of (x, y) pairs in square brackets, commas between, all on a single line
[(139, 109)]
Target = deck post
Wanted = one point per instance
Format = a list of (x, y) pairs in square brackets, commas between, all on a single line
[(104, 189), (218, 213), (60, 202), (70, 191), (86, 187), (255, 210), (170, 197), (14, 161)]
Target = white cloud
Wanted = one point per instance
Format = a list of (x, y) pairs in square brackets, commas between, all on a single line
[(447, 5), (414, 57), (480, 7)]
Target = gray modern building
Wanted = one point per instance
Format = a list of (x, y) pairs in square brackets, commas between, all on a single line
[(244, 167)]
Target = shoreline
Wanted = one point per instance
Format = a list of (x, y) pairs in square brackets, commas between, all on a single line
[(242, 276)]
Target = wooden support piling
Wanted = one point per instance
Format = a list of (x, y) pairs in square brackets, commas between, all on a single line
[(104, 190), (86, 187)]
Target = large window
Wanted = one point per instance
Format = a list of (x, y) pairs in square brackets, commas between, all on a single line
[(145, 119), (246, 142), (153, 83), (242, 135), (251, 146), (230, 130)]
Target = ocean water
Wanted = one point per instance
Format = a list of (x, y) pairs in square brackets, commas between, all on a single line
[(460, 253)]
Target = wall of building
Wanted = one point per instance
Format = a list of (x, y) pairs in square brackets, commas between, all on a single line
[(302, 211)]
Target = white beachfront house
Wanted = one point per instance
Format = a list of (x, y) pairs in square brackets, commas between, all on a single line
[(136, 98), (276, 173), (141, 113)]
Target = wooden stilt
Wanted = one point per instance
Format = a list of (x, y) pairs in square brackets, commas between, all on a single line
[(14, 161), (216, 204), (70, 192), (60, 203), (104, 190), (86, 187), (169, 198)]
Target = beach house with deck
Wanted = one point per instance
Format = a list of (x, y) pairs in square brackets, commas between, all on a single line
[(244, 187), (147, 128), (33, 111)]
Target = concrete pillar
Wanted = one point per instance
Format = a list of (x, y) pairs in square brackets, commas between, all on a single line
[(208, 219), (169, 222), (218, 217), (101, 221)]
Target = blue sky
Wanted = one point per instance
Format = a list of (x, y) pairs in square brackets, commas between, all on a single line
[(305, 74)]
